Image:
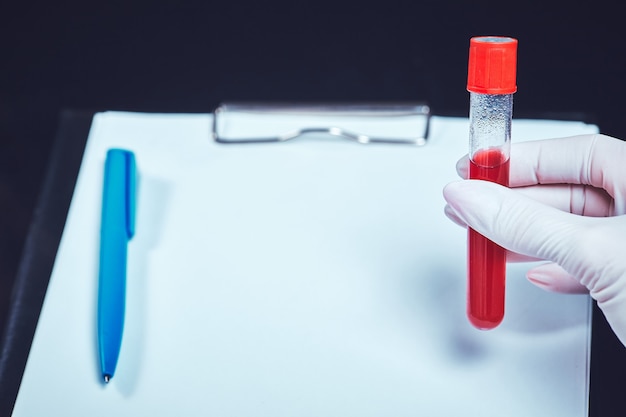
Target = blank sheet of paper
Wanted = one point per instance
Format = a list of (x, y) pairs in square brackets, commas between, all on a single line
[(317, 277)]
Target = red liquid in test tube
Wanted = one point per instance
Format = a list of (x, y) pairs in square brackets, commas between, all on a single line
[(491, 83), (486, 260)]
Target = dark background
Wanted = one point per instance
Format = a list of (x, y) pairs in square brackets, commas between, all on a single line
[(182, 56)]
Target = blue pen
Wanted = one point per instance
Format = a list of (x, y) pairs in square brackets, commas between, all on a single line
[(117, 228)]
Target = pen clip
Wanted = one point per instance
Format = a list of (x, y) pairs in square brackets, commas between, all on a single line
[(131, 193), (123, 162)]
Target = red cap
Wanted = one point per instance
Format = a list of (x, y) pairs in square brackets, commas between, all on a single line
[(492, 65)]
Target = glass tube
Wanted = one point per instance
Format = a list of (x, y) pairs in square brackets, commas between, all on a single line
[(490, 138)]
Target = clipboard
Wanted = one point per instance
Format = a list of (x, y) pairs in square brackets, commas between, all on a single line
[(151, 124)]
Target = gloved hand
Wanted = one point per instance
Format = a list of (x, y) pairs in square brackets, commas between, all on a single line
[(566, 205)]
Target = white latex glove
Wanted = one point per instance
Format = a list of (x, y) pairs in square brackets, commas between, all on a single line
[(566, 205)]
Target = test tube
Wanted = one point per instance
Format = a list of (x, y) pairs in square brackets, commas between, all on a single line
[(491, 83)]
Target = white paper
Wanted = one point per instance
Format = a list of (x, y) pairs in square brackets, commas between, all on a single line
[(310, 278)]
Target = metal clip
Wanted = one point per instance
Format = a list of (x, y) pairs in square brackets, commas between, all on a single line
[(391, 123)]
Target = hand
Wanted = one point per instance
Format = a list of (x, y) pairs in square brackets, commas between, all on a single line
[(566, 205)]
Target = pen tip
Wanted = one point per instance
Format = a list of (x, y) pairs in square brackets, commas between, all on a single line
[(107, 378)]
